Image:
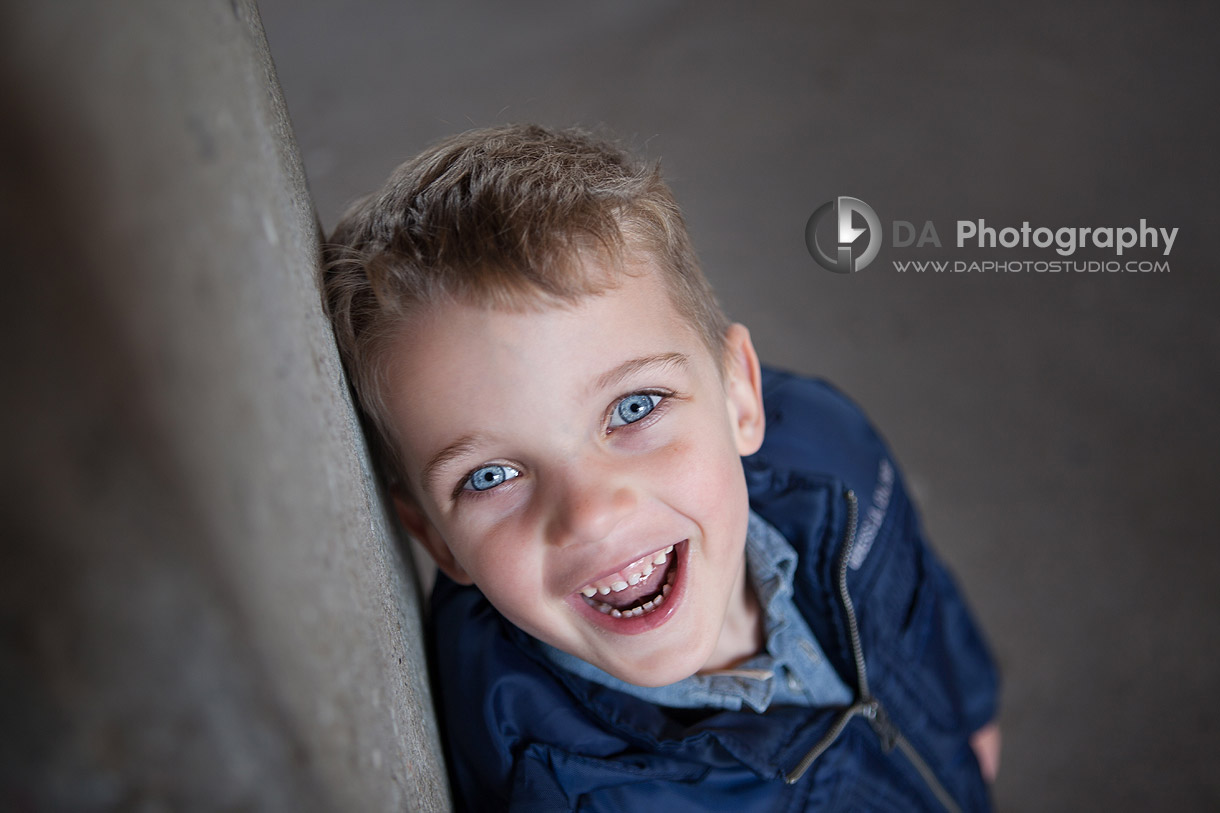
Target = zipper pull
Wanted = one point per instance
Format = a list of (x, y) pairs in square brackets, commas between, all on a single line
[(886, 732)]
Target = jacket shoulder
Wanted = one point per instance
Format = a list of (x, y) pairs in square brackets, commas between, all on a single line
[(507, 716), (812, 426)]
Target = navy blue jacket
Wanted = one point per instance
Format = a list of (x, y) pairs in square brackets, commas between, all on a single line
[(523, 734)]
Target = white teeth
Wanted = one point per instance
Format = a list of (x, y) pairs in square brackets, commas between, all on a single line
[(634, 612), (631, 579), (601, 606)]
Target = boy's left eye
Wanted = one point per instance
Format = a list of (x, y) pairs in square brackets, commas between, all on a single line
[(633, 408), (486, 478)]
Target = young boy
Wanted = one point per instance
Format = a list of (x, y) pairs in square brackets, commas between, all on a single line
[(645, 601)]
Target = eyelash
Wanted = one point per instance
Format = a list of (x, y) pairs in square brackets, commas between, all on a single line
[(665, 396)]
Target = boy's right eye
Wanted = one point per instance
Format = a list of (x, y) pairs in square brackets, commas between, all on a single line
[(486, 478)]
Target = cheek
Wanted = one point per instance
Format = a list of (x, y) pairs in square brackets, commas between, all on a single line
[(706, 476), (501, 561)]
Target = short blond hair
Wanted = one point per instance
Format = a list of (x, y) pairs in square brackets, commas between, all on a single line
[(498, 218)]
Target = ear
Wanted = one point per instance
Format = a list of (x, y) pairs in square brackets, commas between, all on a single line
[(743, 389), (423, 531)]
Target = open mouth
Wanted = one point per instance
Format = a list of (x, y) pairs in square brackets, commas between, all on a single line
[(636, 590)]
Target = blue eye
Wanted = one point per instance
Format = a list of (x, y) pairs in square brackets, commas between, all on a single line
[(488, 477), (633, 408)]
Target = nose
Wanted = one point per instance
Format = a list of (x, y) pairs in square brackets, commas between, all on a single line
[(588, 500)]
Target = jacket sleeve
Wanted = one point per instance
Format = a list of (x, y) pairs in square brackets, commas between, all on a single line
[(974, 669)]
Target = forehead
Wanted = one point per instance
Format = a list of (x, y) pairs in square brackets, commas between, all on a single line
[(461, 370)]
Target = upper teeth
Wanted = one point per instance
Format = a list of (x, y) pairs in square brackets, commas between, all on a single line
[(631, 575)]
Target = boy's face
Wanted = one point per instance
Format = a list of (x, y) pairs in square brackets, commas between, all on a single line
[(586, 449)]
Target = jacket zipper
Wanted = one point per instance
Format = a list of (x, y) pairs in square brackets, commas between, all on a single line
[(867, 706)]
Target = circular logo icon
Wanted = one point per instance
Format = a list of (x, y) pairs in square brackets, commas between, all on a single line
[(845, 259)]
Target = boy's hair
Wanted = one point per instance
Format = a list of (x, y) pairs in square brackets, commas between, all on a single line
[(498, 218)]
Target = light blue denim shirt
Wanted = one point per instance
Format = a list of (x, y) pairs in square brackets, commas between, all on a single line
[(791, 670)]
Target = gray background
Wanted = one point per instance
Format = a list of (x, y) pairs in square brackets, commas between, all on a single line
[(1058, 431)]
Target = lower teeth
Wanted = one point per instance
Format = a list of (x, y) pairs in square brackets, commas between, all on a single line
[(646, 607), (642, 609)]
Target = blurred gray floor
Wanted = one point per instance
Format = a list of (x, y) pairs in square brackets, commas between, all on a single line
[(1059, 431)]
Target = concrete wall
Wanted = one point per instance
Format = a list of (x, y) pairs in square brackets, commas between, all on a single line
[(202, 604)]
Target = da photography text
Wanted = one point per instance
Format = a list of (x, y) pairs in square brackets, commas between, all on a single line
[(845, 235)]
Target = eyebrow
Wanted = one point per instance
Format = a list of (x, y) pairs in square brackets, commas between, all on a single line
[(459, 448), (610, 378)]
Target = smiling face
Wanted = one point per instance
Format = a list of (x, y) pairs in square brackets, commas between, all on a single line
[(581, 465)]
